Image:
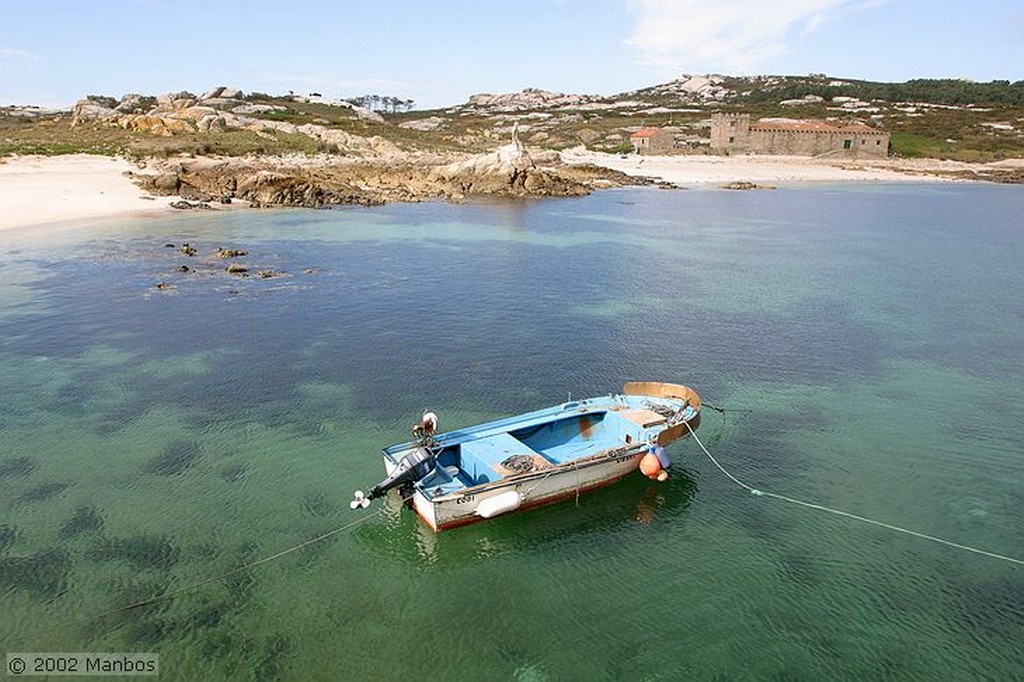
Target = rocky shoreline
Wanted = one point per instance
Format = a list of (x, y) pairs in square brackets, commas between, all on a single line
[(350, 169), (307, 151), (509, 171)]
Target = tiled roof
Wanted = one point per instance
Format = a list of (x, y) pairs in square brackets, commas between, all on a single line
[(813, 127), (645, 132)]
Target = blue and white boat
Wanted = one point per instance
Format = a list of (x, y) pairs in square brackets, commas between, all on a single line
[(460, 477)]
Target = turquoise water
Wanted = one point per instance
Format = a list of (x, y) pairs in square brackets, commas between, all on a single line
[(867, 340)]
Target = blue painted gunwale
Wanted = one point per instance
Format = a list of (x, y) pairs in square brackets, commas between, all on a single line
[(608, 435)]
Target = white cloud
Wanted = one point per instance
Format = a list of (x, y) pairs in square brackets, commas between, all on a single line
[(726, 35), (12, 56)]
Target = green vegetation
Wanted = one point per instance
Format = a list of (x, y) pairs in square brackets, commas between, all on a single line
[(911, 145), (933, 91), (951, 119), (51, 137), (386, 103)]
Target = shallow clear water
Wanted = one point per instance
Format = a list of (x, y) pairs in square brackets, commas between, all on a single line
[(868, 338)]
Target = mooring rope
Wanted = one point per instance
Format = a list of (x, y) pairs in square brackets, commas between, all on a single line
[(839, 512), (206, 581)]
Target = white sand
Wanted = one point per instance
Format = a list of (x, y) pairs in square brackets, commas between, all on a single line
[(35, 190), (769, 170)]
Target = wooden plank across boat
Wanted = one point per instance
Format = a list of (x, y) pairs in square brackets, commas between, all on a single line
[(460, 477)]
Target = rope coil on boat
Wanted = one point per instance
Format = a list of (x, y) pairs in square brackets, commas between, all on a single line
[(763, 493)]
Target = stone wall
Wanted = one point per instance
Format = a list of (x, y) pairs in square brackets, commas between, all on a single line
[(735, 134)]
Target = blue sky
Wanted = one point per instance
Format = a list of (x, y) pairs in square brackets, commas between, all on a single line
[(438, 52)]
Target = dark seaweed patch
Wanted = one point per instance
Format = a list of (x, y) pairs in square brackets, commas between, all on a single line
[(240, 584), (8, 536), (16, 466), (76, 398), (176, 458), (139, 593), (147, 633), (43, 575), (232, 472), (316, 504), (118, 417), (800, 568), (211, 615), (85, 519), (141, 552), (1001, 613), (232, 652), (43, 492), (276, 651), (313, 552), (133, 610), (216, 645)]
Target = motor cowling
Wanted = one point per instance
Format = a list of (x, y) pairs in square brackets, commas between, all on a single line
[(410, 468)]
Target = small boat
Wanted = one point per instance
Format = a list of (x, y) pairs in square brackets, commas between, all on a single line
[(460, 477)]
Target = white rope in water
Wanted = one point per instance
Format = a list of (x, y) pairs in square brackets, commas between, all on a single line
[(762, 493), (167, 596)]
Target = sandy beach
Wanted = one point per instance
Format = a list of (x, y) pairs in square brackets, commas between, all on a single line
[(36, 190), (770, 170)]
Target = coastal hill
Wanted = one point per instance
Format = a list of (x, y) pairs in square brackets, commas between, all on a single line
[(953, 119), (311, 150)]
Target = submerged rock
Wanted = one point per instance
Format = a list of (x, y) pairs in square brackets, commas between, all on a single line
[(183, 205), (741, 184), (231, 253)]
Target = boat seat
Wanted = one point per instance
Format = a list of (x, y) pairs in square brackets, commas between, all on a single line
[(644, 418), (482, 459)]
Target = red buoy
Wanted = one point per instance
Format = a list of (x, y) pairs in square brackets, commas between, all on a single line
[(650, 465)]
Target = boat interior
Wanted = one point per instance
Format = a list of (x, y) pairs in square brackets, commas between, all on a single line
[(538, 445)]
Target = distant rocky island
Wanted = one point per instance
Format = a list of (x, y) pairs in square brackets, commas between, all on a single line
[(308, 150)]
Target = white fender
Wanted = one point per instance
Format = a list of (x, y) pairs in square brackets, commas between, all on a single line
[(499, 504)]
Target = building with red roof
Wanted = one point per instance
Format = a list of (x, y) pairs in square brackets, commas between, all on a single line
[(736, 134), (649, 140)]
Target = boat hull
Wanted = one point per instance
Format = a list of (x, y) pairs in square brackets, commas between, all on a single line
[(462, 509), (515, 463)]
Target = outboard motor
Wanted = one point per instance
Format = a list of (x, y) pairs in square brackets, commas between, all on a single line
[(412, 467)]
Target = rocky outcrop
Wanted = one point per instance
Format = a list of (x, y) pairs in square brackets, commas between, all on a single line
[(428, 124), (300, 181), (93, 108), (528, 99), (509, 171), (689, 89), (217, 110)]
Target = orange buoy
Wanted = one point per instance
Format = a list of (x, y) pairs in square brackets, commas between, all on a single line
[(650, 465)]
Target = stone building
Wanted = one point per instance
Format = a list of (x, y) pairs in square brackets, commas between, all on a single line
[(736, 134), (652, 141)]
